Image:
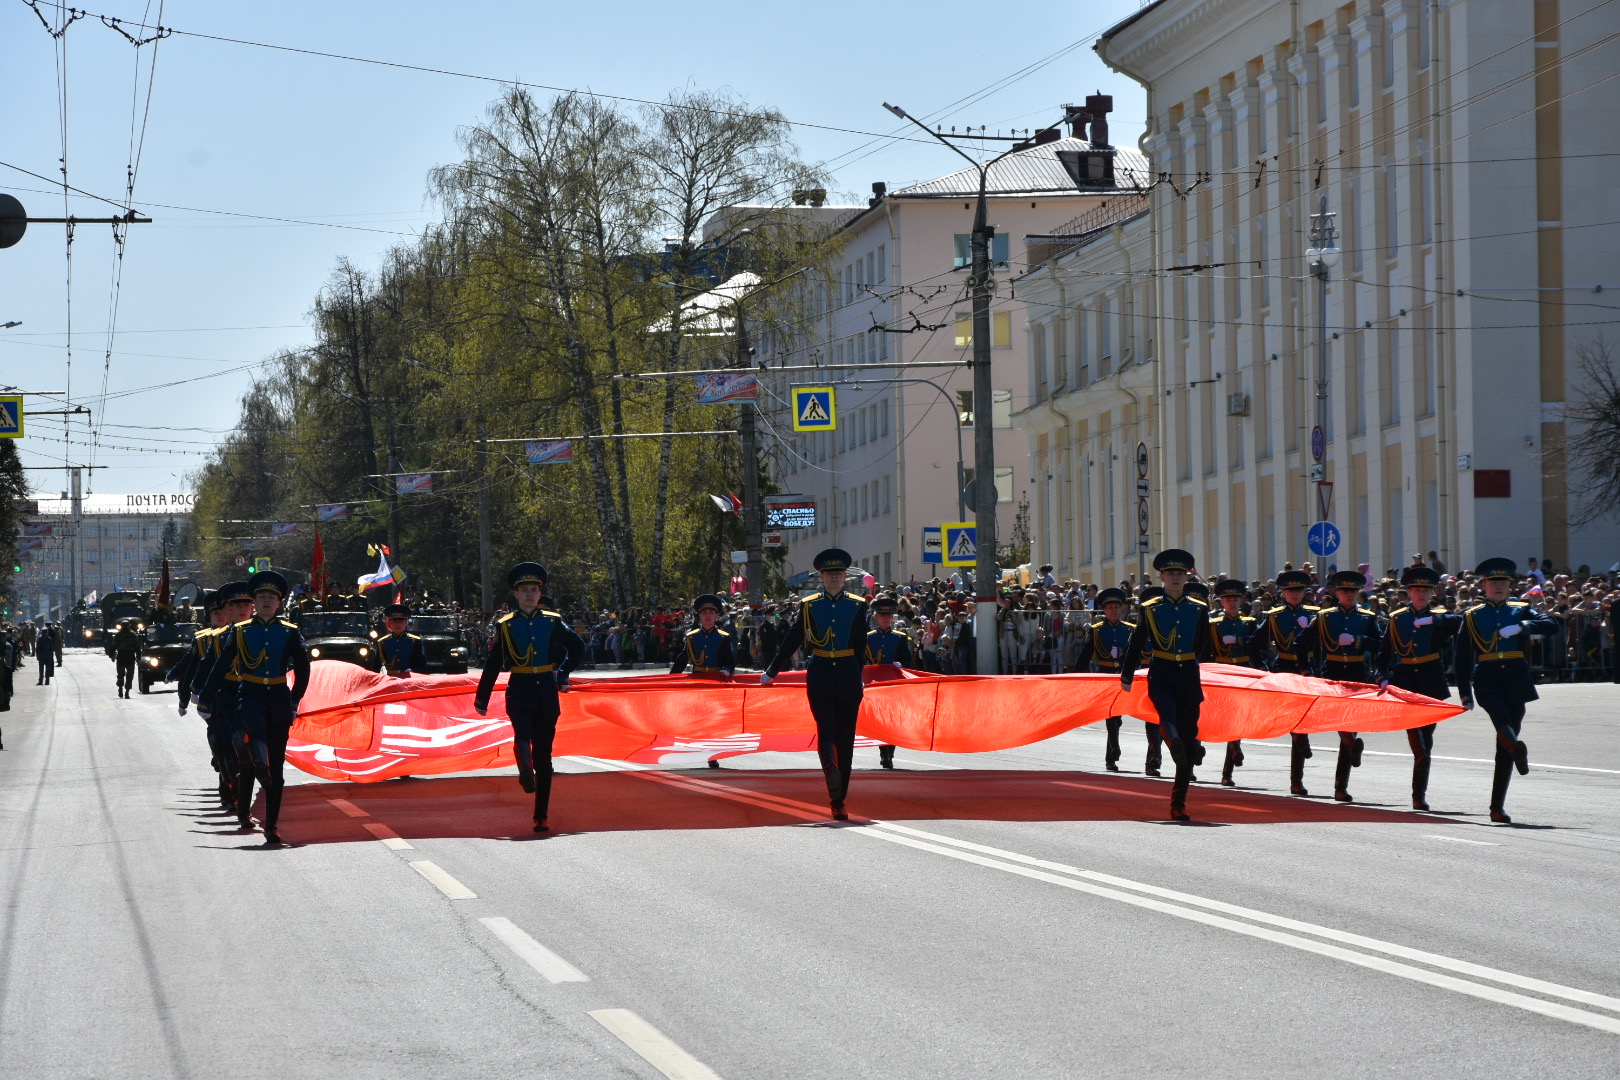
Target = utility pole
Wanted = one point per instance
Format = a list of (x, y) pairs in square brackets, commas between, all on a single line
[(76, 509), (753, 510), (486, 588), (1323, 255), (981, 284)]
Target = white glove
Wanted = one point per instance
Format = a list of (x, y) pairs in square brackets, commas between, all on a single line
[(764, 679), (1114, 652), (1304, 621), (1425, 621), (1510, 630), (1125, 682), (1347, 639), (1228, 639), (196, 698)]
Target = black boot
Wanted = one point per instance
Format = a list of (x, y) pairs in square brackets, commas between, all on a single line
[(713, 763), (1499, 788), (886, 756), (1420, 784), (838, 813), (1521, 758)]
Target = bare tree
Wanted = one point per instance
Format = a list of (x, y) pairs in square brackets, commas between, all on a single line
[(1592, 423)]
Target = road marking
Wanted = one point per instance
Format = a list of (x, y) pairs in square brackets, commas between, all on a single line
[(348, 807), (653, 1045), (536, 955), (1027, 866), (1440, 757), (446, 884), (391, 839), (1111, 790), (1459, 840), (925, 764)]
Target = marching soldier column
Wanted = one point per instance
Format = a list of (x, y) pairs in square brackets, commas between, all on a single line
[(1347, 637), (886, 645), (1230, 635), (1105, 643), (1411, 661), (1284, 632)]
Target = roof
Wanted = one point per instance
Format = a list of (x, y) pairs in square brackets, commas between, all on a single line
[(709, 313), (1035, 171)]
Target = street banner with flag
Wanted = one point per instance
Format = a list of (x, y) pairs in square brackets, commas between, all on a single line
[(383, 578), (317, 567), (29, 543), (728, 503), (722, 387), (378, 549), (162, 598), (414, 483), (93, 597), (549, 452), (284, 528), (38, 528), (332, 512)]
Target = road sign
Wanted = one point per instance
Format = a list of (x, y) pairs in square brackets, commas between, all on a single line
[(261, 564), (11, 417), (1142, 460), (1318, 473), (739, 557), (1323, 538), (1141, 489), (773, 540), (961, 543), (1142, 517), (933, 545), (241, 561), (1318, 443), (814, 408)]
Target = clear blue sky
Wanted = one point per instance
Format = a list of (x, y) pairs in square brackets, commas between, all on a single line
[(265, 132)]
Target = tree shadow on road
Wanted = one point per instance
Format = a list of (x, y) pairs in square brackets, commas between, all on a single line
[(497, 808)]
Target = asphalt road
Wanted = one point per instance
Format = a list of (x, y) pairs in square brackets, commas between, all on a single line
[(1021, 914)]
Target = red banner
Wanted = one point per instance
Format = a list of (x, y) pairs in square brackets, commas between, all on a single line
[(364, 726)]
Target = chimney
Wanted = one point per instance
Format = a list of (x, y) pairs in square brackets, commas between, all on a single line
[(1099, 105), (1077, 126), (879, 189)]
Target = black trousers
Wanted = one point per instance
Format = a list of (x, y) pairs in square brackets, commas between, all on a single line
[(126, 672), (835, 691), (1178, 696), (534, 729), (47, 666), (1352, 672), (222, 756), (1421, 740), (264, 718), (1507, 716)]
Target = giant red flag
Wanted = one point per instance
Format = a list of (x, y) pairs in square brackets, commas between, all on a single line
[(317, 568)]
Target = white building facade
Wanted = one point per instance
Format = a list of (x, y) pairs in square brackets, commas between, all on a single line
[(1463, 147), (114, 545)]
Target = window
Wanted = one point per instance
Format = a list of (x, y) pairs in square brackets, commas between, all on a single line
[(843, 435), (883, 417), (1352, 223), (1261, 252), (882, 346), (1060, 352), (887, 505), (882, 263), (1105, 351), (1392, 232), (866, 502), (1000, 329), (964, 251), (1107, 463), (1493, 483), (1037, 343), (964, 407)]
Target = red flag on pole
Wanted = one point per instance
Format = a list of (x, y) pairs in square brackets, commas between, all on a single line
[(317, 568)]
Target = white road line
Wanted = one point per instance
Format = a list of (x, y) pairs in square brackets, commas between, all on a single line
[(925, 764), (1460, 840), (1027, 866), (391, 839), (1111, 790), (348, 807), (653, 1045), (1439, 757), (536, 955), (446, 884)]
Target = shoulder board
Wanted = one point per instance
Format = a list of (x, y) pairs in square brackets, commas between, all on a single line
[(414, 637), (1247, 618), (722, 633), (1200, 601), (860, 599), (508, 617), (1437, 610), (812, 596), (553, 614), (287, 624), (1127, 622), (694, 630), (1274, 611), (1518, 603), (1150, 602)]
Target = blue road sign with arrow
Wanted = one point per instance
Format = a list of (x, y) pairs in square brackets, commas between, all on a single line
[(1323, 539)]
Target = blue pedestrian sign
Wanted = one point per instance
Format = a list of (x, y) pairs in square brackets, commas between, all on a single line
[(11, 417), (933, 545), (814, 409), (1323, 539)]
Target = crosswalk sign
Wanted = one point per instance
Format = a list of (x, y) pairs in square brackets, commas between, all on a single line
[(814, 409), (11, 417), (261, 564), (961, 543)]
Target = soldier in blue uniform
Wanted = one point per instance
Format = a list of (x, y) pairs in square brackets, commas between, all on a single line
[(1492, 670), (886, 645), (1347, 638), (707, 648), (1174, 634), (258, 654), (1284, 630), (1104, 644), (539, 650), (831, 626), (402, 653), (1230, 635), (1411, 660), (216, 701), (192, 671)]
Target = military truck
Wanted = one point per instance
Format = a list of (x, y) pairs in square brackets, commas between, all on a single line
[(339, 635), (442, 642), (166, 645)]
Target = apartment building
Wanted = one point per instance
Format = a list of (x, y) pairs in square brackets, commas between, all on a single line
[(116, 544), (1462, 148), (892, 328)]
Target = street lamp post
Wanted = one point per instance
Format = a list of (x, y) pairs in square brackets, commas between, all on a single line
[(1323, 256), (981, 283)]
